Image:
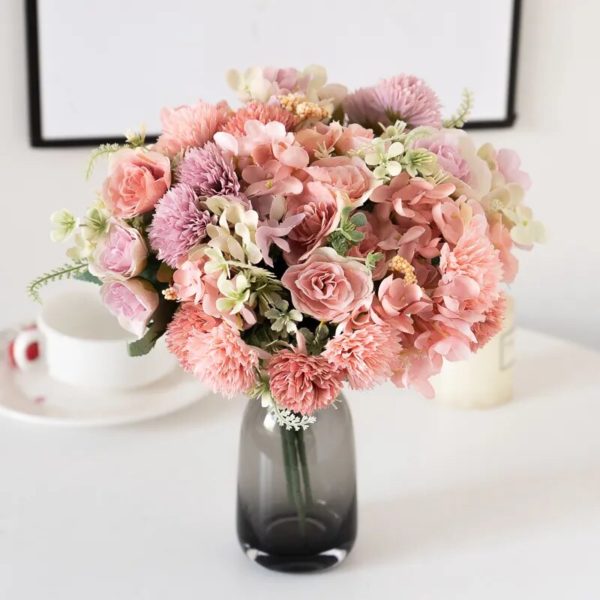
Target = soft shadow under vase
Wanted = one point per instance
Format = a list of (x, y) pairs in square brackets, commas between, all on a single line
[(296, 507)]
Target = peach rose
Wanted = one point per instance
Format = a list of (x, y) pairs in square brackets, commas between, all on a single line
[(347, 174), (328, 286), (136, 181), (321, 209)]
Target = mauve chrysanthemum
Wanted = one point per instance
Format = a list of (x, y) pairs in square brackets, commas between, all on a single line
[(303, 383), (208, 172), (179, 224), (257, 111), (404, 97), (222, 360), (367, 356), (188, 318), (494, 319)]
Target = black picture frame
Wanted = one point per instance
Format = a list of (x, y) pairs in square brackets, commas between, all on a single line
[(35, 116)]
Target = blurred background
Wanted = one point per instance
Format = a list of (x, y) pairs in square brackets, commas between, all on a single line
[(556, 133)]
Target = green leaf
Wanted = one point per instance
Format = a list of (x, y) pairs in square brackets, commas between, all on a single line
[(103, 150), (354, 236), (87, 276), (338, 241), (372, 259), (358, 220), (160, 319)]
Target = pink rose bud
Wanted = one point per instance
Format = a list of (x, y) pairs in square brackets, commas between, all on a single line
[(133, 302), (136, 180), (120, 254)]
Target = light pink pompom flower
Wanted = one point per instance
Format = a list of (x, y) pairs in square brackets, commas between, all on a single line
[(190, 126), (133, 302), (179, 224), (367, 356), (208, 172), (188, 318), (120, 254), (328, 287), (471, 273), (222, 360), (404, 97), (485, 330), (136, 180), (303, 383)]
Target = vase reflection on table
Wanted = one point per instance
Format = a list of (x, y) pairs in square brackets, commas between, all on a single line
[(296, 508)]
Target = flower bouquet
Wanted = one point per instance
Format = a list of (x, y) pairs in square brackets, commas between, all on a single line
[(308, 239)]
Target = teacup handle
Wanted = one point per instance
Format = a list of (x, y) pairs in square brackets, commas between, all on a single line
[(21, 348)]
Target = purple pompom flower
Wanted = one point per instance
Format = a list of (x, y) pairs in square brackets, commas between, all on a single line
[(209, 172), (179, 224)]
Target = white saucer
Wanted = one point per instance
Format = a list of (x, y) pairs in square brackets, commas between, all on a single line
[(34, 396)]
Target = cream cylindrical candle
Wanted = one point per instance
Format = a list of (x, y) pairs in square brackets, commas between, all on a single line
[(485, 379)]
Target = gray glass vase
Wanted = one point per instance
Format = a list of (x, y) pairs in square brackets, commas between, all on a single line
[(296, 508)]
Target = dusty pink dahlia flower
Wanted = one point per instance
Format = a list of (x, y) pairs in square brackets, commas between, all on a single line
[(189, 126), (179, 224), (404, 97), (257, 111), (494, 319), (222, 360), (208, 172), (367, 356), (189, 318), (303, 383)]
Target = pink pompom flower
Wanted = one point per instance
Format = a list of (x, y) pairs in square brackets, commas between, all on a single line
[(303, 383), (258, 111), (190, 126), (366, 356), (492, 324), (222, 360), (188, 319), (179, 224)]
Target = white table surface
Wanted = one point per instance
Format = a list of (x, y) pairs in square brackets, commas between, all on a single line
[(496, 504)]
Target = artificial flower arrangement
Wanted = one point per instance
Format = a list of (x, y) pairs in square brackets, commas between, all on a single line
[(309, 238)]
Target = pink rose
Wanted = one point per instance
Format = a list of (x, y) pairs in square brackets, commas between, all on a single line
[(136, 180), (347, 174), (328, 286), (353, 138), (120, 254), (321, 209), (133, 302)]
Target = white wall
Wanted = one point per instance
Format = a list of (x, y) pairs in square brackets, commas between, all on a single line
[(558, 136)]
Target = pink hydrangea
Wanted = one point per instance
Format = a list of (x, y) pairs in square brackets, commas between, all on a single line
[(179, 224), (188, 318), (190, 126), (414, 370), (367, 356), (222, 360), (303, 383), (258, 111)]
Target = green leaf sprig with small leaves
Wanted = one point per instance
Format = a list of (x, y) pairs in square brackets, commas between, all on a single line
[(347, 234)]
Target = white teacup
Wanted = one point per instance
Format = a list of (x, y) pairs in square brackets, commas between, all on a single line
[(83, 345)]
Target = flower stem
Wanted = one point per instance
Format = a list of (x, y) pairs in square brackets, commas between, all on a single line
[(304, 466), (292, 476)]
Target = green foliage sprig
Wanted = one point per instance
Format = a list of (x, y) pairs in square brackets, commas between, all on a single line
[(76, 270), (459, 118), (347, 234), (102, 150)]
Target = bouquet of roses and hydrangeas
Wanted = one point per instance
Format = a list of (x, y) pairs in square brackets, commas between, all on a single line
[(307, 239)]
